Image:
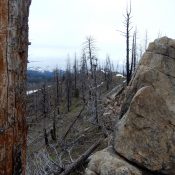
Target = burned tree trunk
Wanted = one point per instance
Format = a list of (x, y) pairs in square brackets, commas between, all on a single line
[(13, 64)]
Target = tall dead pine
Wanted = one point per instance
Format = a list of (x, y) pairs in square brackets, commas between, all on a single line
[(68, 85), (126, 34), (44, 111), (127, 24)]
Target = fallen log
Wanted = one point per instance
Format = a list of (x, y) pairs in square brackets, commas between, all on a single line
[(81, 159), (72, 124)]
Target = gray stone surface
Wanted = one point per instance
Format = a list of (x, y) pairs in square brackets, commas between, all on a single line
[(146, 133)]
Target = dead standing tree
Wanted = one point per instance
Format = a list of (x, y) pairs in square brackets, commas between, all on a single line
[(126, 34), (93, 87), (130, 62), (57, 90), (76, 71), (90, 48), (44, 102), (134, 53), (127, 24), (84, 76), (95, 90), (56, 101), (108, 72), (36, 104), (68, 85)]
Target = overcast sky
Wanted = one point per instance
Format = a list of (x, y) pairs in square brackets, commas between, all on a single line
[(59, 27)]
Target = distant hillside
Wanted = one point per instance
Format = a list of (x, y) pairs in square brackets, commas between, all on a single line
[(36, 76)]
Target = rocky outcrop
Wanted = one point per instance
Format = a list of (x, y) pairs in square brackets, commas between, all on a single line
[(145, 133), (13, 64)]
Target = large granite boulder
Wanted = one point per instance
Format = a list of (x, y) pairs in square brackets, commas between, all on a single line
[(106, 162), (145, 134)]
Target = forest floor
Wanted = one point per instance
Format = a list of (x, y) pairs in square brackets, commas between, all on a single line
[(74, 135)]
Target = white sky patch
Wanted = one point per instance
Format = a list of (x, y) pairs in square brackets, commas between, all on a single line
[(59, 28)]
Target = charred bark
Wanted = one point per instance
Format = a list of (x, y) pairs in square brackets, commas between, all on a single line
[(13, 65)]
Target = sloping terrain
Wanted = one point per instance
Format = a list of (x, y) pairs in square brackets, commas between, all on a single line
[(144, 133), (76, 131)]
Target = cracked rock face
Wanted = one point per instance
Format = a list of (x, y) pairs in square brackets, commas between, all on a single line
[(145, 134)]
